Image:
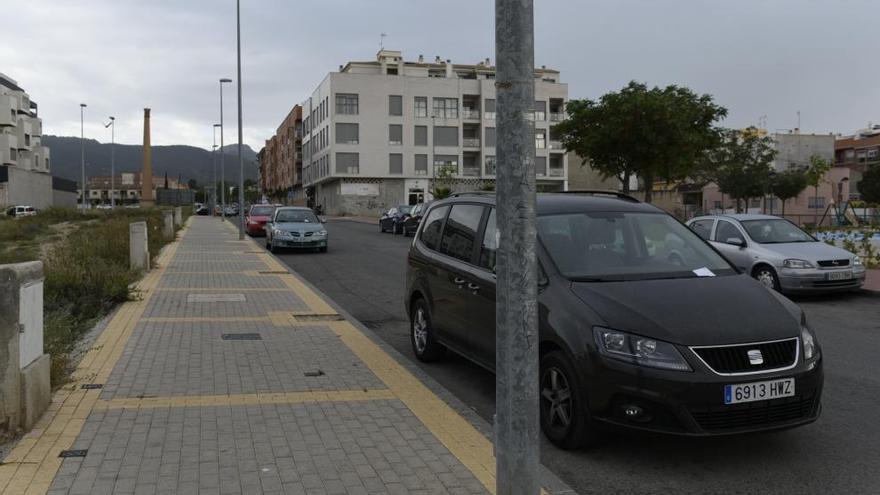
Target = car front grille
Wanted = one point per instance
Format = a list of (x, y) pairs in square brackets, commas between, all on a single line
[(833, 263), (735, 359), (754, 414)]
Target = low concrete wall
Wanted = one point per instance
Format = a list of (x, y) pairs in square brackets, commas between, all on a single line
[(24, 368), (138, 248)]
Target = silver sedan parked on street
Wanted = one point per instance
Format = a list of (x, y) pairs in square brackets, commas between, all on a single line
[(779, 254)]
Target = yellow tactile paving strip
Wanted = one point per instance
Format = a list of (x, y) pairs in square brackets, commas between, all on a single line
[(34, 462)]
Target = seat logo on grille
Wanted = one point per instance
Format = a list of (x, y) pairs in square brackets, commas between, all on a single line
[(755, 357)]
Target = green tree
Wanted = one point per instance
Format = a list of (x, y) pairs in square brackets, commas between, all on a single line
[(789, 184), (657, 133), (869, 186), (817, 169), (740, 165)]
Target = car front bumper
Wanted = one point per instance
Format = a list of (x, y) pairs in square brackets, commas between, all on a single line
[(692, 403), (816, 280), (292, 243)]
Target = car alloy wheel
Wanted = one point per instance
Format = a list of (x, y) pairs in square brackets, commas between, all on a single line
[(564, 419), (767, 277), (420, 331), (421, 334), (556, 394)]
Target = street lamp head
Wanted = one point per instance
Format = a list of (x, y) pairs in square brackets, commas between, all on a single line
[(112, 118), (225, 80), (82, 105), (217, 125)]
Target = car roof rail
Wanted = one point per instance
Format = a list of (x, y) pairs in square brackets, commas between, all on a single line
[(603, 192), (472, 193)]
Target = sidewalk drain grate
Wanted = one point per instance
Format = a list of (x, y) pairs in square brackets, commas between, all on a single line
[(318, 318), (91, 386), (272, 272), (241, 336), (74, 453), (314, 373)]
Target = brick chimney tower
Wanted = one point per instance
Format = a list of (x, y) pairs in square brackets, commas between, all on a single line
[(147, 171)]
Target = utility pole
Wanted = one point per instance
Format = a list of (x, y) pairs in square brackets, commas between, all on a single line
[(240, 161), (222, 167), (82, 148), (112, 126), (516, 333)]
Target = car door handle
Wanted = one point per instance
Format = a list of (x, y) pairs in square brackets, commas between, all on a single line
[(458, 281), (473, 287)]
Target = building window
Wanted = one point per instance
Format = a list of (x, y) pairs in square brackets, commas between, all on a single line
[(489, 109), (347, 163), (421, 164), (872, 154), (540, 110), (816, 202), (490, 137), (445, 165), (717, 206), (395, 163), (395, 105), (395, 134), (420, 135), (446, 108), (347, 133), (346, 104), (541, 139), (540, 166), (490, 165), (445, 136), (421, 106)]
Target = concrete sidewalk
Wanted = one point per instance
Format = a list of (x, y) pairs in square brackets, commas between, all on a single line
[(231, 375)]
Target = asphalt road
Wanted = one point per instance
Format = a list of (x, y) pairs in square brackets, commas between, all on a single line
[(364, 272)]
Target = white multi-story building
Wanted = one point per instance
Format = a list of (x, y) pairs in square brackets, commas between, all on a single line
[(382, 133), (25, 176)]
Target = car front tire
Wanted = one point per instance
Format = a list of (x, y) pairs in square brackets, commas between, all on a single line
[(421, 333), (564, 418), (767, 276)]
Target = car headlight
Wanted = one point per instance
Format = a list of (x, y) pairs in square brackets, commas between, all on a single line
[(639, 350), (857, 262), (279, 233), (792, 263), (809, 342), (321, 232)]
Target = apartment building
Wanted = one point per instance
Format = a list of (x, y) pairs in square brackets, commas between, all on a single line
[(25, 176), (857, 152), (384, 132), (280, 161)]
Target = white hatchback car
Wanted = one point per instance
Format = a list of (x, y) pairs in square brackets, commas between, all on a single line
[(779, 254), (21, 211)]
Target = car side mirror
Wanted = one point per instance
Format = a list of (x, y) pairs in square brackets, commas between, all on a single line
[(736, 241), (322, 219)]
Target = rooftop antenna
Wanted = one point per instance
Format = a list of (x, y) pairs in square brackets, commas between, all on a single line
[(799, 120), (382, 41)]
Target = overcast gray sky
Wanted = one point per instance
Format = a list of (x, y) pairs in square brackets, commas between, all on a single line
[(757, 57)]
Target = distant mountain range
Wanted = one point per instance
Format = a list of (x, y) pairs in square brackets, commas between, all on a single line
[(189, 162)]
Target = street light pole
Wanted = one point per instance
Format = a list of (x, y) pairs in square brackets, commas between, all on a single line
[(214, 163), (222, 167), (112, 126), (516, 333), (82, 144), (240, 161)]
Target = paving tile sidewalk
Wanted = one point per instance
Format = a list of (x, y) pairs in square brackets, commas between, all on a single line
[(230, 375)]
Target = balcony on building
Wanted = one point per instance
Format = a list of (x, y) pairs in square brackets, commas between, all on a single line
[(8, 149), (470, 135), (470, 164), (557, 109), (554, 142), (8, 107), (470, 107), (557, 165)]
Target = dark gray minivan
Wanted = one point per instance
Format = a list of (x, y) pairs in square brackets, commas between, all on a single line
[(642, 324)]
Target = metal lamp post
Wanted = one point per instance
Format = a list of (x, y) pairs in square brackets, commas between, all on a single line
[(240, 161), (222, 168), (82, 143), (214, 164), (112, 126)]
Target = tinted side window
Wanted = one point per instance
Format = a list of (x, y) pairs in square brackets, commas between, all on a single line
[(702, 228), (490, 243), (725, 231), (430, 236), (461, 231)]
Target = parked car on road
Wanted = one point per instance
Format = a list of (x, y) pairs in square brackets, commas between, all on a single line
[(21, 211), (230, 211), (393, 219), (295, 227), (779, 254), (630, 336), (203, 210), (256, 219), (415, 217)]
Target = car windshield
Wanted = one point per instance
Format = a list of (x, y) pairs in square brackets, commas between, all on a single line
[(404, 209), (295, 216), (611, 246), (775, 231), (262, 211)]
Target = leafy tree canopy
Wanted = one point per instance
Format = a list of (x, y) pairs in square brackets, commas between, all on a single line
[(789, 184), (869, 186), (740, 165), (656, 133)]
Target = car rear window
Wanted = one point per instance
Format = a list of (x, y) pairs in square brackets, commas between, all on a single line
[(460, 232), (262, 211), (430, 235)]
